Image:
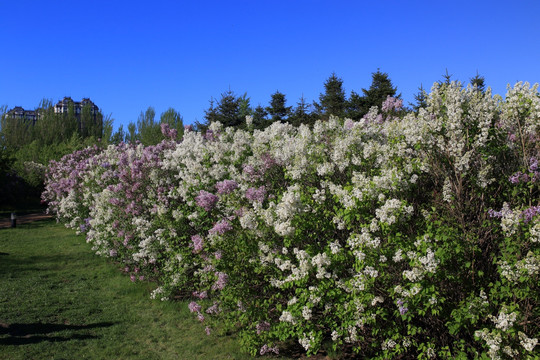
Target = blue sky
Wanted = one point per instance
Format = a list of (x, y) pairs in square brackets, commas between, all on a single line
[(128, 55)]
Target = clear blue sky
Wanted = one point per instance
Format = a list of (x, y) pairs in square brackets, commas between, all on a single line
[(128, 55)]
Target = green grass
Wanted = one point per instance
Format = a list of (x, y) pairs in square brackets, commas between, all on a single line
[(60, 301)]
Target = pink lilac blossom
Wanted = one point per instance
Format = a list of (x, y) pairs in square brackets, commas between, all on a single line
[(220, 228), (197, 241), (200, 295), (392, 103), (214, 309), (267, 349), (168, 132), (226, 186), (254, 194), (206, 200), (194, 307), (208, 330), (262, 326), (221, 281)]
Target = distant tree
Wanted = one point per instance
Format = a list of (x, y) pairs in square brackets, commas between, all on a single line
[(420, 100), (333, 101), (230, 110), (118, 136), (149, 130), (302, 113), (381, 87), (132, 135), (355, 106), (260, 120), (277, 109), (478, 82), (174, 120)]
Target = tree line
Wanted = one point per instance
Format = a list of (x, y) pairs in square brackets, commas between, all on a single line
[(26, 148)]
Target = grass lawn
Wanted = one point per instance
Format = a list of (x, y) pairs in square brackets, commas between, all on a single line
[(60, 301)]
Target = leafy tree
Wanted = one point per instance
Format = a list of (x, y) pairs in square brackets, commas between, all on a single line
[(333, 101), (277, 109), (174, 120), (132, 135), (149, 130), (118, 136)]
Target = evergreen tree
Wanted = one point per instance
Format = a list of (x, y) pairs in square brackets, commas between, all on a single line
[(478, 82), (333, 101), (302, 113), (355, 106), (277, 109), (420, 100), (230, 110), (132, 135), (381, 87), (259, 118)]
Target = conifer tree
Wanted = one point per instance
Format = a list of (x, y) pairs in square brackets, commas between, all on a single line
[(277, 109), (478, 82), (420, 100), (333, 101), (302, 113), (381, 87), (259, 117)]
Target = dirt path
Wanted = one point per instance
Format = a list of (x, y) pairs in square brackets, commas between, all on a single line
[(24, 219)]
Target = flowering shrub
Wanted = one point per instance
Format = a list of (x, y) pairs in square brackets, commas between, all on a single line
[(399, 235)]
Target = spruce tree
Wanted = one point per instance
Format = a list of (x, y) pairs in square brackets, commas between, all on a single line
[(302, 113), (277, 109), (478, 82), (333, 101), (420, 100), (381, 87)]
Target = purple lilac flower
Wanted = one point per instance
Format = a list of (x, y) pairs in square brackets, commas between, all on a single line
[(194, 307), (200, 295), (257, 195), (208, 330), (206, 200), (533, 164), (391, 103), (267, 349), (268, 160), (262, 326), (529, 213), (214, 309), (197, 243), (226, 186), (113, 253), (200, 317), (218, 255), (220, 228), (221, 281), (402, 309), (168, 132), (132, 278)]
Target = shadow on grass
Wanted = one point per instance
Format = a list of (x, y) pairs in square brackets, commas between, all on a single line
[(20, 334)]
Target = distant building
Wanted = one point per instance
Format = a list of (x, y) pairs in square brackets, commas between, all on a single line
[(63, 106), (19, 113)]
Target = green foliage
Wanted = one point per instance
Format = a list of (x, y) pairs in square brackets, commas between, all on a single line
[(381, 87), (277, 109), (333, 101)]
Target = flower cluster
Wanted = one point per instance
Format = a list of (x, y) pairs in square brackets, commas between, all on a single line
[(345, 234)]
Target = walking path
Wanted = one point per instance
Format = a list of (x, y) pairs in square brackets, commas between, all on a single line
[(24, 219)]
